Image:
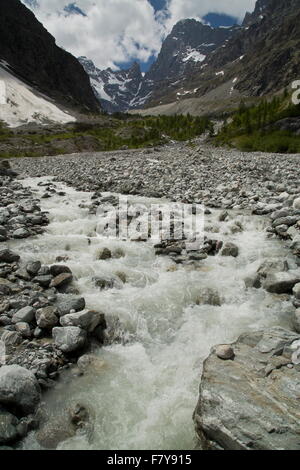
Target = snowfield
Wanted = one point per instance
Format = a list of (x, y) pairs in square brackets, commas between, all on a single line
[(20, 105)]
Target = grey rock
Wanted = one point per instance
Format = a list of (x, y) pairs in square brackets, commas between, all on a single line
[(24, 329), (57, 269), (33, 267), (69, 339), (64, 306), (281, 283), (61, 280), (19, 388), (46, 317), (8, 427), (11, 338), (208, 296), (224, 352), (8, 256), (87, 319), (21, 233), (230, 249), (250, 402), (43, 280), (26, 315)]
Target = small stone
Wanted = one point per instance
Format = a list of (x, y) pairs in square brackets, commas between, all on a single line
[(26, 315), (33, 267), (61, 280), (105, 254), (24, 329), (43, 280), (225, 352), (21, 233), (46, 317), (87, 319)]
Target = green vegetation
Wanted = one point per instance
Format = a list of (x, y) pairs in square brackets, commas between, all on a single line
[(254, 128), (109, 133)]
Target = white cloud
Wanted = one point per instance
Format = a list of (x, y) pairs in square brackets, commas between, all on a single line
[(121, 30), (180, 9)]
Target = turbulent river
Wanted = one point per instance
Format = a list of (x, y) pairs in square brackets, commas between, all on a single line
[(144, 395)]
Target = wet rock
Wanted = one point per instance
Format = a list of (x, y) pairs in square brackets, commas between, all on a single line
[(208, 296), (19, 389), (230, 249), (33, 267), (46, 317), (243, 402), (104, 254), (21, 233), (26, 315), (253, 281), (61, 280), (69, 339), (65, 306), (281, 283), (90, 362), (8, 256), (87, 319), (8, 427), (3, 234), (43, 280), (58, 269), (58, 428)]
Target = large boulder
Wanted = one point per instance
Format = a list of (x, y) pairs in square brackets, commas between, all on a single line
[(69, 339), (251, 401), (8, 427), (19, 389), (8, 256), (282, 282)]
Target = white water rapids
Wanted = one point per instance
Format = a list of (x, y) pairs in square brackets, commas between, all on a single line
[(144, 396)]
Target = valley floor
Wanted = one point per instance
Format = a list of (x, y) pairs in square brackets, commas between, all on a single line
[(173, 306)]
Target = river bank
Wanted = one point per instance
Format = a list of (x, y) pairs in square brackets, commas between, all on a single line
[(168, 311)]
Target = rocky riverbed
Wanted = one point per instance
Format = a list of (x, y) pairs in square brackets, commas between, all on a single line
[(259, 264)]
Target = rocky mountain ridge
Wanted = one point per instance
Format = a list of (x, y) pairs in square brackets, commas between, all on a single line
[(33, 56), (183, 51)]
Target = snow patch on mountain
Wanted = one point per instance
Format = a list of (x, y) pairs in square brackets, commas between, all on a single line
[(194, 55), (20, 104)]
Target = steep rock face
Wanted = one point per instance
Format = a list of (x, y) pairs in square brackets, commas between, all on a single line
[(252, 400), (116, 90), (183, 52), (268, 43), (33, 55)]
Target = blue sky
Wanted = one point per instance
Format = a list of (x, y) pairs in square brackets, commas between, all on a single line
[(115, 33)]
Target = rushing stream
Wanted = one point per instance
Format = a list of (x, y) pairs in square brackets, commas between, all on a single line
[(144, 394)]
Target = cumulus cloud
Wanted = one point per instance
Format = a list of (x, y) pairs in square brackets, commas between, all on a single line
[(116, 31)]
